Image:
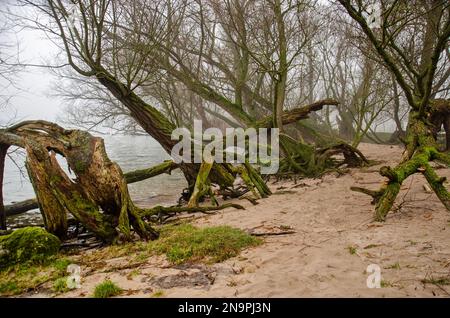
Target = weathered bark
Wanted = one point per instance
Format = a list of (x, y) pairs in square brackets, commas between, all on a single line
[(98, 196)]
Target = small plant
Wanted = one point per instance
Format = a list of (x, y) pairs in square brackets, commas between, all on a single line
[(185, 242), (106, 289), (393, 266), (24, 277), (60, 285), (133, 274), (158, 294), (351, 250), (386, 284)]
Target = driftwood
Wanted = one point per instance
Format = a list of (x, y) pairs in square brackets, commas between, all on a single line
[(21, 207)]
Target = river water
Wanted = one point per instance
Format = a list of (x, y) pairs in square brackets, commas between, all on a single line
[(130, 152)]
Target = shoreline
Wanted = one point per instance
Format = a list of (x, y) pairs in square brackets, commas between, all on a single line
[(335, 240)]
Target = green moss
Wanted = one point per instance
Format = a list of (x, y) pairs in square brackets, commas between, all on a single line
[(185, 242), (28, 245), (106, 289), (351, 250)]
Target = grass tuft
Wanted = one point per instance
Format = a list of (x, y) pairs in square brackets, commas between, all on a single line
[(185, 242), (60, 285), (351, 250), (106, 289)]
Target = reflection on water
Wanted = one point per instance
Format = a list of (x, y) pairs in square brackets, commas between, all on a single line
[(130, 152)]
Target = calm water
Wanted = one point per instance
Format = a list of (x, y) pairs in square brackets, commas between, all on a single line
[(130, 152)]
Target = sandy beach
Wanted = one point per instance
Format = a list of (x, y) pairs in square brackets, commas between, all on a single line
[(335, 240)]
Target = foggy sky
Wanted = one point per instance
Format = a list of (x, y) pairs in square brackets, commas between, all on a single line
[(31, 87)]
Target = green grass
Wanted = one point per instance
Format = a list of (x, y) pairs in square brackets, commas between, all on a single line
[(60, 285), (25, 277), (183, 243), (386, 284), (106, 289), (180, 243), (393, 266), (158, 294)]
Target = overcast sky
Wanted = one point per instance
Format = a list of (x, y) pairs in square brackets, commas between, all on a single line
[(32, 87)]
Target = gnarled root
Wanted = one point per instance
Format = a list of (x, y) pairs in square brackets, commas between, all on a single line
[(310, 161), (419, 162), (249, 175)]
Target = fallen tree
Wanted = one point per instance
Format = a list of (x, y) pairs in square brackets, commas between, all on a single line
[(97, 195)]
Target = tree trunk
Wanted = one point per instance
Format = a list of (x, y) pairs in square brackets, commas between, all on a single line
[(98, 196), (421, 148), (3, 151)]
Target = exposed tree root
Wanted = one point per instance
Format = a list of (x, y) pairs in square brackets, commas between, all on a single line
[(311, 161), (161, 213), (130, 177), (248, 174), (97, 195), (420, 150)]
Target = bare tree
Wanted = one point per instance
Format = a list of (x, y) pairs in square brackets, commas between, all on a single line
[(413, 57)]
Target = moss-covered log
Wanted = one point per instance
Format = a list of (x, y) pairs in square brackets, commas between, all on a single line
[(142, 174), (161, 210)]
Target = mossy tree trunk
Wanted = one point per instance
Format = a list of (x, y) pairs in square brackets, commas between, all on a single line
[(97, 196), (421, 148)]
